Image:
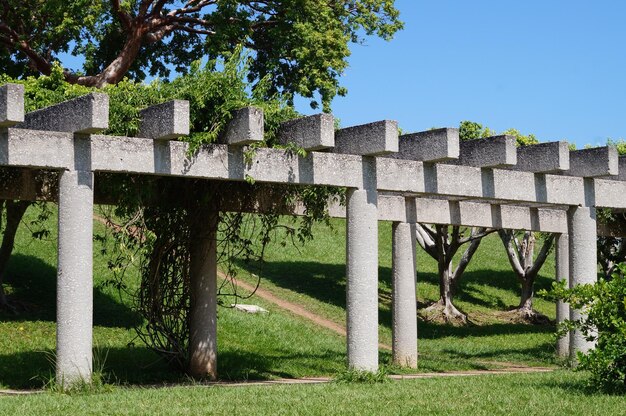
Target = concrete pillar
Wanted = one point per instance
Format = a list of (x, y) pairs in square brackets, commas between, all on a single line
[(583, 264), (203, 315), (362, 278), (75, 278), (404, 308), (562, 273)]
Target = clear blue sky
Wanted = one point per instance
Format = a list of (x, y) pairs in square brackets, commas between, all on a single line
[(556, 69)]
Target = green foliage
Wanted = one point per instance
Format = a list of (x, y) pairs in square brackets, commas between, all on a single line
[(619, 144), (470, 130), (300, 46), (604, 304)]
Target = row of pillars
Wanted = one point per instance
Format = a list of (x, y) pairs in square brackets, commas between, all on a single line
[(576, 261)]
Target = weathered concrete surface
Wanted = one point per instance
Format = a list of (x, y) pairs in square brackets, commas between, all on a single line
[(497, 151), (246, 127), (11, 104), (621, 168), (404, 306), (562, 273), (203, 276), (594, 162), (543, 157), (435, 145), (87, 114), (314, 132), (165, 121), (75, 278), (373, 139), (583, 264), (362, 275)]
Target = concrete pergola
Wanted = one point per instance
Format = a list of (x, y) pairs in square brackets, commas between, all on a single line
[(427, 177)]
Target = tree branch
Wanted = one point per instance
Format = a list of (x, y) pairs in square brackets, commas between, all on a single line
[(543, 254), (507, 237)]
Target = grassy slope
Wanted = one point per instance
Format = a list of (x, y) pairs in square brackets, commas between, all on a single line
[(280, 345), (315, 276)]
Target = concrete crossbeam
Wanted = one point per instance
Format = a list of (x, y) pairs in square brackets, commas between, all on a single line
[(246, 127), (373, 139), (476, 214), (85, 115), (36, 149), (594, 162), (165, 121), (11, 104), (170, 158), (543, 157), (491, 152), (316, 132), (435, 145), (621, 174)]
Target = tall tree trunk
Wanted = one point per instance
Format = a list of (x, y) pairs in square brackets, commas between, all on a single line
[(14, 212), (527, 294)]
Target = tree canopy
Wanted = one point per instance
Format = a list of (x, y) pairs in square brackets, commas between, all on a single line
[(302, 45)]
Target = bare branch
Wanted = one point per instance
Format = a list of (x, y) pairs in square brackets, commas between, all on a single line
[(507, 237), (543, 254)]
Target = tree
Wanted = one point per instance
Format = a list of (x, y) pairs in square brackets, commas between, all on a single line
[(302, 45), (442, 242), (521, 255)]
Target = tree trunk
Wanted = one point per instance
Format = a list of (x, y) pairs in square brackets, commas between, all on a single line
[(526, 297), (14, 212)]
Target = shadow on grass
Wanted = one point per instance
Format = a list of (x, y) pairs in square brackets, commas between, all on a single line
[(142, 366), (34, 285)]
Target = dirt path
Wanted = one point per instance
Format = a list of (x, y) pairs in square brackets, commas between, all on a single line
[(297, 310)]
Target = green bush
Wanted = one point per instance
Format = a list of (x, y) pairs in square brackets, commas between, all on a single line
[(605, 322)]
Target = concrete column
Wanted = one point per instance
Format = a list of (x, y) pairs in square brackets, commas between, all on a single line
[(404, 308), (362, 278), (562, 273), (203, 315), (75, 278), (583, 264)]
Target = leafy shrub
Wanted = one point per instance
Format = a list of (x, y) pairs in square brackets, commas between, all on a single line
[(604, 304)]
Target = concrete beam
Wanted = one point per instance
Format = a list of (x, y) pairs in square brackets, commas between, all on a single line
[(49, 150), (246, 127), (429, 146), (594, 162), (373, 139), (84, 115), (316, 132), (491, 152), (165, 121), (543, 157), (468, 213), (621, 171), (11, 104)]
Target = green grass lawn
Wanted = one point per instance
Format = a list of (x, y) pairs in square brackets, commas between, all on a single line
[(558, 393), (283, 345)]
